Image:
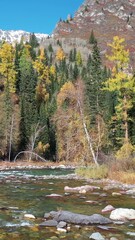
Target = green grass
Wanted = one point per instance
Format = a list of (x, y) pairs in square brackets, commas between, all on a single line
[(93, 171)]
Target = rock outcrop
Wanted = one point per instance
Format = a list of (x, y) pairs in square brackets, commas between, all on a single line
[(107, 18)]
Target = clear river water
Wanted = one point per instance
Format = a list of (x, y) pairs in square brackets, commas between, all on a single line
[(25, 191)]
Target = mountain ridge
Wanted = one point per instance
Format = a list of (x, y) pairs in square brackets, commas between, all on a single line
[(107, 18), (12, 36)]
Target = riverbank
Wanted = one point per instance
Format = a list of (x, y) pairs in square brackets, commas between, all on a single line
[(25, 165), (5, 165)]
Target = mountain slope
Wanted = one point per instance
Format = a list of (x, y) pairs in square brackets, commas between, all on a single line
[(106, 17), (15, 36)]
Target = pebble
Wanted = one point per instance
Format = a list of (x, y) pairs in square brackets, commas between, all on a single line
[(108, 208), (27, 215), (62, 230)]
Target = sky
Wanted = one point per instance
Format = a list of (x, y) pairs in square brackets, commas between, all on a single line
[(38, 16)]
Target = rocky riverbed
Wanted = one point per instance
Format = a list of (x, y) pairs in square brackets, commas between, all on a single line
[(54, 203)]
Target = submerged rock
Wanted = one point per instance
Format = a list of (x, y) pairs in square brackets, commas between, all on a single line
[(27, 215), (122, 214), (113, 238), (132, 234), (91, 202), (49, 223), (116, 194), (47, 215), (96, 236), (131, 191), (81, 219), (81, 189), (61, 224), (62, 229), (54, 195), (108, 208)]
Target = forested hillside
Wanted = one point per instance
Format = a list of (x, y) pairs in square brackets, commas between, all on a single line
[(65, 108)]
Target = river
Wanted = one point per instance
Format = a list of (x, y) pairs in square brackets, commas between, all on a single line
[(26, 191)]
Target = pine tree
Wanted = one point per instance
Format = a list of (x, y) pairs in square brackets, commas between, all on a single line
[(33, 42), (71, 56), (75, 72), (50, 48), (121, 83), (28, 108), (94, 78), (94, 96), (92, 39)]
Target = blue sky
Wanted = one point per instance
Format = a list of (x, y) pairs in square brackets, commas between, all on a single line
[(39, 16)]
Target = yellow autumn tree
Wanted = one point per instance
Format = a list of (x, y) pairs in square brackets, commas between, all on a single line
[(60, 55), (122, 82), (71, 141), (7, 66), (44, 76)]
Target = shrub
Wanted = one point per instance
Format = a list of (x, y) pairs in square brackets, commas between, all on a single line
[(125, 152), (125, 158), (93, 172), (125, 177)]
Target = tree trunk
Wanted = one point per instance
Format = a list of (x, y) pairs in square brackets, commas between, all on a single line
[(125, 117), (10, 138), (88, 136)]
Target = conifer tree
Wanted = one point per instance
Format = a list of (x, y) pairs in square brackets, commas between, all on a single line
[(7, 66), (43, 77), (93, 82), (94, 96), (28, 108), (92, 39), (79, 60), (71, 55), (50, 48), (122, 83), (7, 70), (33, 42), (75, 72)]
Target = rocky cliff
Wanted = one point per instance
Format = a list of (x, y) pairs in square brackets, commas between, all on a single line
[(106, 18)]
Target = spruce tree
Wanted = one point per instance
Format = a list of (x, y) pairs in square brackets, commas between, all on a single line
[(92, 39), (94, 78), (28, 108), (33, 42)]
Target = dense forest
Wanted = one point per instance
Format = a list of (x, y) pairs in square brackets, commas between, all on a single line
[(63, 108)]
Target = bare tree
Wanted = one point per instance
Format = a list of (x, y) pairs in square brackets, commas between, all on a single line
[(32, 153), (88, 137), (38, 129), (10, 137)]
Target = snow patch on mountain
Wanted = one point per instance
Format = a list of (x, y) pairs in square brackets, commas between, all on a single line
[(15, 36)]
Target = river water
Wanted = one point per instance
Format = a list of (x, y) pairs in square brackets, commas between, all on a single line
[(25, 191)]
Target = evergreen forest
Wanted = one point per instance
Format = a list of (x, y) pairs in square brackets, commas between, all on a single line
[(62, 108)]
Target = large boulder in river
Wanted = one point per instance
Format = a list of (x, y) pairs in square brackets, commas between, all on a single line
[(80, 189), (122, 214), (80, 219)]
